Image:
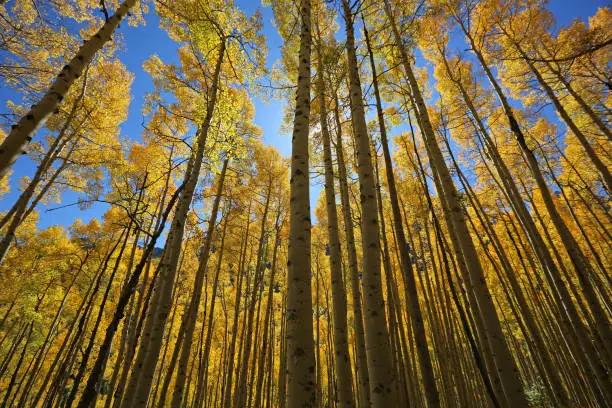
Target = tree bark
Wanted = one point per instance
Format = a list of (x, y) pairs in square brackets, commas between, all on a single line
[(363, 382), (383, 387), (97, 371), (192, 311), (301, 391), (152, 337), (341, 350), (414, 308)]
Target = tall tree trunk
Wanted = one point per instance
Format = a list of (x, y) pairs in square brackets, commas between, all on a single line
[(194, 305), (469, 296), (363, 382), (201, 386), (584, 142), (282, 360), (383, 387), (47, 342), (241, 385), (569, 317), (268, 337), (227, 391), (97, 371), (416, 316), (581, 264), (540, 352), (92, 336), (581, 102), (19, 208), (300, 346), (341, 350)]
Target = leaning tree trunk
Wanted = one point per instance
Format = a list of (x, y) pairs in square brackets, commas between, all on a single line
[(227, 392), (569, 316), (508, 372), (22, 208), (383, 384), (267, 336), (192, 310), (240, 393), (19, 208), (300, 345), (577, 257), (599, 165), (201, 385), (580, 100), (22, 132)]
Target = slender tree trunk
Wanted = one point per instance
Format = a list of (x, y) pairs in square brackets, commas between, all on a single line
[(581, 102), (192, 310), (383, 388), (241, 384), (282, 361), (268, 337), (47, 343), (18, 209), (201, 386), (469, 296), (92, 336), (300, 346), (508, 372), (13, 379), (97, 371), (227, 392), (343, 361), (540, 351), (581, 265), (412, 299), (599, 165), (393, 302), (66, 340), (363, 384), (570, 319), (123, 341)]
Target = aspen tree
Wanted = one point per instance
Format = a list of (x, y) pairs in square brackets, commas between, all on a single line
[(142, 377), (341, 351), (516, 40), (268, 335), (363, 385), (383, 386), (416, 316), (569, 315), (190, 315), (488, 307), (301, 391)]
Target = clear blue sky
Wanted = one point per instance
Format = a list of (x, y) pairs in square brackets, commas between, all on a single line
[(143, 41)]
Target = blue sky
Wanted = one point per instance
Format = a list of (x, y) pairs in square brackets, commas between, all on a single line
[(143, 41)]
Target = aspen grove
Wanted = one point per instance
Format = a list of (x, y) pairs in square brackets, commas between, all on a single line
[(305, 203)]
